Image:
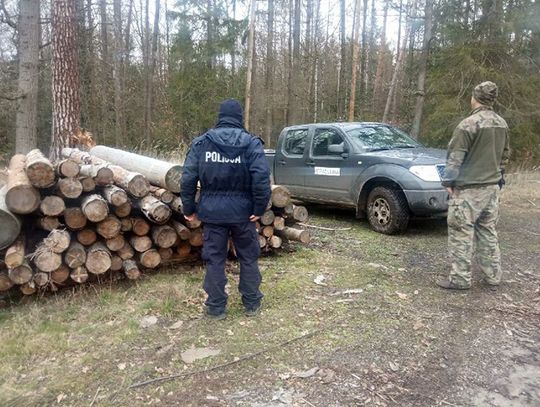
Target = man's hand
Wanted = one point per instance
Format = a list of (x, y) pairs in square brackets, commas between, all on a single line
[(191, 218), (254, 218), (450, 190)]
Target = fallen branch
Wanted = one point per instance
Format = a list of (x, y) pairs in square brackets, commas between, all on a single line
[(324, 228)]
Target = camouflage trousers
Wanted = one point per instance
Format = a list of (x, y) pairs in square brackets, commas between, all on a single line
[(473, 214)]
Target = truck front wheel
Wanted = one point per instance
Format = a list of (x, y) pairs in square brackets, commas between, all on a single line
[(387, 210)]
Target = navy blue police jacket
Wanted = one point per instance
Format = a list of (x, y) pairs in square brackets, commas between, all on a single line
[(234, 176)]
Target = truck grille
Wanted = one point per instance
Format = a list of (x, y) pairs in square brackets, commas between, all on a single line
[(440, 170)]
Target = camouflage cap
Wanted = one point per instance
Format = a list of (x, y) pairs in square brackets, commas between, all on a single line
[(486, 93)]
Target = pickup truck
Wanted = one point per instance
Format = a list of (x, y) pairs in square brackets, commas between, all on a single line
[(375, 168)]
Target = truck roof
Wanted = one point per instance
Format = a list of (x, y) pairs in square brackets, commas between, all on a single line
[(343, 125)]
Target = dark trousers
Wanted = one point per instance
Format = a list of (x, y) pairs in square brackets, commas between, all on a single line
[(245, 239)]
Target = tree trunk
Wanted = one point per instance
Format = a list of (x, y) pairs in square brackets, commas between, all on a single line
[(28, 52), (150, 79), (377, 89), (364, 57), (65, 76), (249, 72), (356, 47), (395, 76), (341, 78), (119, 51), (269, 80)]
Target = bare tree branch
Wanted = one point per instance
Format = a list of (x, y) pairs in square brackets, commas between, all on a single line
[(12, 98), (5, 17)]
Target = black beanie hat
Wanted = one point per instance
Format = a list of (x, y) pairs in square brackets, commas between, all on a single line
[(231, 108)]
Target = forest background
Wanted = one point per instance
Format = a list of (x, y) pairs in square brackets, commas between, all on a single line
[(152, 73)]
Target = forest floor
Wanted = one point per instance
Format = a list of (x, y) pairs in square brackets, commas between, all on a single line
[(393, 338)]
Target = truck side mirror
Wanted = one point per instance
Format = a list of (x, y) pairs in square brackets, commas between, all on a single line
[(336, 148)]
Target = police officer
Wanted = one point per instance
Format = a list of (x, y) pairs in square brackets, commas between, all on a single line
[(477, 153), (230, 165)]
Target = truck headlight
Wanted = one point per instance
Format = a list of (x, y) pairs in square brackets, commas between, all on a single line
[(426, 172)]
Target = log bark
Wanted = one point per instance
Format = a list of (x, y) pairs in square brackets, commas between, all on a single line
[(67, 168), (116, 263), (154, 210), (5, 281), (298, 235), (150, 259), (140, 226), (101, 174), (86, 237), (267, 218), (74, 218), (70, 188), (164, 195), (57, 241), (88, 184), (98, 259), (131, 269), (60, 275), (126, 252), (75, 255), (140, 243), (39, 170), (109, 227), (11, 224), (281, 196), (79, 274), (115, 196), (157, 172), (21, 197), (21, 274), (164, 236), (115, 243), (41, 279), (124, 210), (182, 231), (52, 205), (48, 223), (15, 254), (196, 238), (95, 208)]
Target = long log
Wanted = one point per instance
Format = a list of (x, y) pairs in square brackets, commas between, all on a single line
[(5, 281), (182, 231), (279, 223), (140, 226), (126, 252), (39, 170), (48, 223), (87, 237), (46, 260), (98, 259), (100, 174), (140, 243), (262, 241), (95, 207), (57, 241), (60, 275), (88, 184), (164, 236), (109, 227), (28, 288), (21, 274), (177, 205), (75, 255), (116, 263), (20, 196), (161, 173), (150, 259), (164, 195), (68, 168), (79, 274), (124, 210), (115, 196), (300, 213), (280, 196), (52, 205), (74, 218), (115, 243), (11, 224), (165, 253), (154, 210), (126, 225), (70, 188), (193, 224), (41, 279), (196, 237), (298, 235), (275, 242), (131, 269), (15, 254), (183, 249), (267, 231), (267, 218)]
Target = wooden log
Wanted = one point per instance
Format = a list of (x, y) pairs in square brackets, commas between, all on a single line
[(67, 168), (280, 196), (150, 259), (98, 259), (262, 241), (60, 275), (28, 288), (131, 182), (196, 238), (131, 269), (140, 243), (5, 281), (298, 235), (11, 224), (154, 210), (48, 223), (95, 208), (109, 227), (15, 254), (165, 253), (116, 263), (164, 236), (177, 206), (275, 242), (39, 170), (57, 241), (41, 279), (86, 237), (140, 226), (267, 231), (100, 174), (46, 260), (161, 173), (182, 231), (79, 274), (183, 249), (300, 213), (267, 218), (115, 243), (115, 196), (288, 210), (70, 188), (20, 196), (74, 218), (126, 225), (88, 184), (124, 210), (193, 224), (279, 223), (75, 255), (164, 195), (52, 205), (21, 274), (126, 252)]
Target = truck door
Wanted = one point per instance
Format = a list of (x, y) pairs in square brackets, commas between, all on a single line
[(289, 165), (332, 170)]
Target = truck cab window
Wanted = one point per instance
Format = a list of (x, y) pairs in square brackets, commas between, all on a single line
[(295, 142), (327, 142)]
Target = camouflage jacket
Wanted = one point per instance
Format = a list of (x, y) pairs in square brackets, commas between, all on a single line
[(478, 151)]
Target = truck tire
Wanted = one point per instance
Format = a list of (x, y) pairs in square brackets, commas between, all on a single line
[(387, 210)]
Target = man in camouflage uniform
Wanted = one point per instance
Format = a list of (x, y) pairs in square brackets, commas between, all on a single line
[(477, 154)]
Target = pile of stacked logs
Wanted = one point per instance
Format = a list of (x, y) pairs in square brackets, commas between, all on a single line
[(106, 213)]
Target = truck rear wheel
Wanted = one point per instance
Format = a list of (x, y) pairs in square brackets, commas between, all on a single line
[(387, 210)]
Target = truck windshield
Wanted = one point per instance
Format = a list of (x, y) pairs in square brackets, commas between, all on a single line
[(376, 138)]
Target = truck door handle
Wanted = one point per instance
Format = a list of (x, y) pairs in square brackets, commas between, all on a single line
[(310, 162), (282, 162)]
